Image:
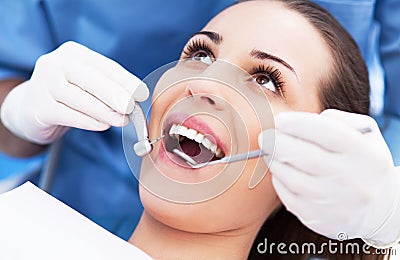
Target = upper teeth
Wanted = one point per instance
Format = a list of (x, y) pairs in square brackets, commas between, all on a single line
[(180, 130)]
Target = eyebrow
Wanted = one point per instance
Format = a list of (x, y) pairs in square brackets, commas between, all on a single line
[(214, 37), (261, 55), (266, 56)]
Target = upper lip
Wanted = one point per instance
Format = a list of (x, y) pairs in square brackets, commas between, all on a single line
[(195, 123)]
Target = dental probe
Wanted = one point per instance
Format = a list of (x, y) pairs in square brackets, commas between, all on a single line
[(228, 159), (236, 157), (144, 145)]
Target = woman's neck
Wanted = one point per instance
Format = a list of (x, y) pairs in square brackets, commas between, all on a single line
[(163, 242)]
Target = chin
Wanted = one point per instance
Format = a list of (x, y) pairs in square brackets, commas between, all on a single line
[(236, 208), (183, 217)]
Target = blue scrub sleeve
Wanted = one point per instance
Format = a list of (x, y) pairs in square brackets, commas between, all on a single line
[(15, 171), (25, 35), (387, 14)]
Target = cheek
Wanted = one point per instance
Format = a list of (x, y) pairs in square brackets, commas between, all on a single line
[(279, 107), (304, 103), (161, 101), (255, 204), (256, 117), (301, 98)]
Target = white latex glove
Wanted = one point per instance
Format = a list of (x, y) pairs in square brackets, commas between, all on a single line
[(72, 86), (336, 180)]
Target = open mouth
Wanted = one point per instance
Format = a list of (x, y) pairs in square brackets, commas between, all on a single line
[(200, 147)]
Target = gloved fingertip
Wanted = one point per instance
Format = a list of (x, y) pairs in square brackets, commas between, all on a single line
[(125, 121), (266, 141), (118, 120), (130, 106), (100, 126), (261, 140), (337, 114), (329, 110), (141, 93), (287, 119), (282, 119)]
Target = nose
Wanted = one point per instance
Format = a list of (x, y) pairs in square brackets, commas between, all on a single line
[(208, 92), (213, 86)]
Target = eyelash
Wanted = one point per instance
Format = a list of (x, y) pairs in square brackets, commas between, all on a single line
[(271, 72), (195, 46)]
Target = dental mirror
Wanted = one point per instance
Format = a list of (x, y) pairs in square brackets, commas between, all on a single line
[(227, 159)]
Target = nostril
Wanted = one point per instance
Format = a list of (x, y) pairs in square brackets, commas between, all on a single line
[(212, 102)]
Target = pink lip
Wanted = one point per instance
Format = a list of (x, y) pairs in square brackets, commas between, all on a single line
[(196, 124), (172, 161)]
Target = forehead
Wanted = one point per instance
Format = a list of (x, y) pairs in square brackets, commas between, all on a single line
[(265, 21), (272, 27)]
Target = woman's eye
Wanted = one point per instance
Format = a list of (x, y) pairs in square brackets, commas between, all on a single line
[(202, 56), (265, 82)]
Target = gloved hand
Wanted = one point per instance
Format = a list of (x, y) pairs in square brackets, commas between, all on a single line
[(338, 182), (72, 86)]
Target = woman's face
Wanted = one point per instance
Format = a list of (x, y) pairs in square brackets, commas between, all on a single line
[(285, 57)]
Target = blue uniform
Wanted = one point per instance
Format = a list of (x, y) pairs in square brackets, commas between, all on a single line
[(375, 25), (92, 175)]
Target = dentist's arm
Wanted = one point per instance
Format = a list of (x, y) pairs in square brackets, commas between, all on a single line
[(9, 143), (335, 179), (72, 86)]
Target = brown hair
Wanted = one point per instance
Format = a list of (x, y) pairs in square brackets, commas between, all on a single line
[(345, 88)]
